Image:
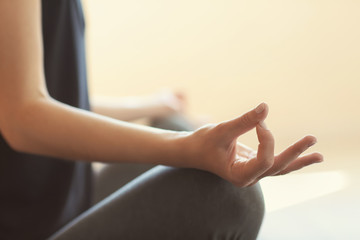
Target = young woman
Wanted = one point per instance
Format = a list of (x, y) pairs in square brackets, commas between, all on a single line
[(49, 137)]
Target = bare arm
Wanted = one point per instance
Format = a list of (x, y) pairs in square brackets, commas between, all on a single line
[(158, 105), (31, 121)]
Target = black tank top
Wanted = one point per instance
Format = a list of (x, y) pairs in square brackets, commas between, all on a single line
[(39, 194)]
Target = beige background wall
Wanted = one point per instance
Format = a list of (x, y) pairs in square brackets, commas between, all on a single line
[(302, 57)]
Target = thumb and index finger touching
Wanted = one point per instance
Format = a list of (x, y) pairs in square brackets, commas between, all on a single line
[(265, 154), (248, 121)]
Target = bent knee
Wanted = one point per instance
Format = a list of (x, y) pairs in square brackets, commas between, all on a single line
[(215, 206)]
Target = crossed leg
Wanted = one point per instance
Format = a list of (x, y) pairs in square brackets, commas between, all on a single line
[(167, 203)]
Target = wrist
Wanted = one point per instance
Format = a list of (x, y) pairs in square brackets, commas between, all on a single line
[(180, 149)]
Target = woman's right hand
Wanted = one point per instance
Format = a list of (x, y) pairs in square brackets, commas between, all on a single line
[(215, 148)]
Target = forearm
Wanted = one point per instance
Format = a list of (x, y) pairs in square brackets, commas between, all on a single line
[(47, 127), (128, 109), (32, 122)]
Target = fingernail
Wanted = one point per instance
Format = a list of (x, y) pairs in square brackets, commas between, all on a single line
[(263, 125), (260, 108), (311, 144)]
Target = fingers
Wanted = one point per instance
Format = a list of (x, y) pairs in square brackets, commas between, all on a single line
[(265, 154), (246, 169), (288, 161), (247, 121), (180, 95), (245, 151), (290, 154), (302, 162), (247, 172)]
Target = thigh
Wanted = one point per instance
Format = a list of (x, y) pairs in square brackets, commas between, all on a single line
[(175, 122), (112, 177), (172, 203)]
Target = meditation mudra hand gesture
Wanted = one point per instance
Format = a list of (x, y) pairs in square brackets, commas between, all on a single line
[(221, 154), (45, 112)]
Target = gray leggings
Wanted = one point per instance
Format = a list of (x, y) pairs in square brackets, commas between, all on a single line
[(167, 203)]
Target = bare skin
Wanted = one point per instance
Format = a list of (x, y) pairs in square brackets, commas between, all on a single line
[(158, 105), (32, 122)]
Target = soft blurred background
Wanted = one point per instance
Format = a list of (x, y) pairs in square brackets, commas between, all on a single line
[(302, 57)]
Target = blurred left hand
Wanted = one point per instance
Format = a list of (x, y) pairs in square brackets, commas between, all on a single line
[(169, 102)]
